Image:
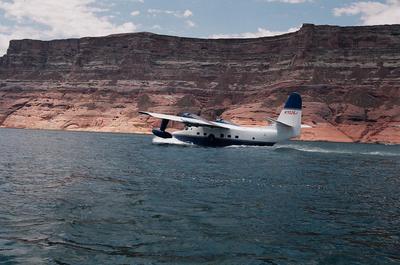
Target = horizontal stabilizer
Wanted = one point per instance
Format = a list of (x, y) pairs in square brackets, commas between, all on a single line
[(279, 122)]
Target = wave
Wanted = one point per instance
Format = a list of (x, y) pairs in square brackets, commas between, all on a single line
[(285, 147), (313, 149), (248, 146), (159, 140)]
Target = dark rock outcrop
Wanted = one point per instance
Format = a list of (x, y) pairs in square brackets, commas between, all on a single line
[(349, 78)]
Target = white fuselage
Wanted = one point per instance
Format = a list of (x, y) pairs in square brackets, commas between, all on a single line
[(233, 135)]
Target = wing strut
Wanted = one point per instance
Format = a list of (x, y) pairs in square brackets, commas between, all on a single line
[(161, 132), (164, 123)]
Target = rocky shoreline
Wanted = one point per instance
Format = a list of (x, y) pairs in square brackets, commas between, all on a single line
[(349, 78)]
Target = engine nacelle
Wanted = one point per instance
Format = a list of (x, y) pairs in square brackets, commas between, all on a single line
[(162, 134)]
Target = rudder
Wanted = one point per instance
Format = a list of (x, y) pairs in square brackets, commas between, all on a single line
[(291, 113)]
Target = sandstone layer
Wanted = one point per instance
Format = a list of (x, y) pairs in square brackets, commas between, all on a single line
[(349, 78)]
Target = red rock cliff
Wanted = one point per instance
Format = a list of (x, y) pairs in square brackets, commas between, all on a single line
[(349, 78)]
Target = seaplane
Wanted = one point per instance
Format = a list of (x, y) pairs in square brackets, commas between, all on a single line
[(220, 133)]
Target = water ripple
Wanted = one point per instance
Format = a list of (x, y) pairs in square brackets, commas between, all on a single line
[(85, 198)]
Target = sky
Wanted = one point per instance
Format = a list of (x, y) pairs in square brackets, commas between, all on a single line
[(56, 19)]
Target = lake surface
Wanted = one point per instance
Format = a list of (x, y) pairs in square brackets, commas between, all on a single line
[(97, 198)]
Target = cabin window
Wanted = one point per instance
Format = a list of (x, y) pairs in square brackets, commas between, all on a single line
[(254, 138), (236, 136), (205, 134), (222, 135), (229, 136), (198, 133)]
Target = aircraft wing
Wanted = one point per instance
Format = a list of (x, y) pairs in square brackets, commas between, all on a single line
[(185, 120)]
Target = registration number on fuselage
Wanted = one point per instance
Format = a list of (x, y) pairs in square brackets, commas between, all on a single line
[(291, 112)]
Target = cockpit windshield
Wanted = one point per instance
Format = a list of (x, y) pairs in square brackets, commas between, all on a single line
[(188, 115), (196, 117)]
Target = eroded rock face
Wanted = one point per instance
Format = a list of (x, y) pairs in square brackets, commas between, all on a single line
[(349, 78)]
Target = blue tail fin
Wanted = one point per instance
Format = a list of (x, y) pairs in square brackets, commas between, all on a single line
[(293, 102)]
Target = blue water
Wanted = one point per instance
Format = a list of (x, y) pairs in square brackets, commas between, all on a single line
[(94, 198)]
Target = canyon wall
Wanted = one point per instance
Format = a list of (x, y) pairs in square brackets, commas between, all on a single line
[(349, 78)]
